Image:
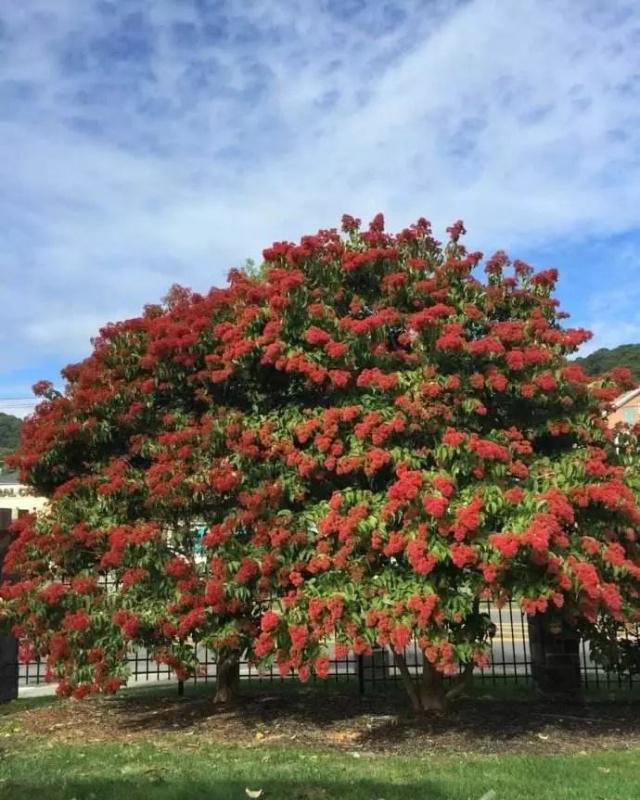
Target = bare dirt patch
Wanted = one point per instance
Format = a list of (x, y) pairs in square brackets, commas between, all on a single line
[(343, 721)]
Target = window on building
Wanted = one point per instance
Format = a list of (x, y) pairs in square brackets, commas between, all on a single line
[(629, 415), (22, 512), (5, 519)]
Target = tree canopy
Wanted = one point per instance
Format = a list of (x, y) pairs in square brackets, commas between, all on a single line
[(604, 359), (374, 436)]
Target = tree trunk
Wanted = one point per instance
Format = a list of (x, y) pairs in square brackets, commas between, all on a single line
[(432, 692), (555, 656), (228, 679), (427, 691)]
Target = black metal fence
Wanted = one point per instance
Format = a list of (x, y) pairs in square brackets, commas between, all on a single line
[(510, 662)]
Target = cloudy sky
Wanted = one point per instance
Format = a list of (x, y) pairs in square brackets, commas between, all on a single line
[(148, 142)]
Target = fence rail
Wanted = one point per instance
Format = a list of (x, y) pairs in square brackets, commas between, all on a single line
[(510, 661)]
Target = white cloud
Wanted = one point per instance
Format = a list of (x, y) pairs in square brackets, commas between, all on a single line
[(147, 143), (613, 311), (17, 408)]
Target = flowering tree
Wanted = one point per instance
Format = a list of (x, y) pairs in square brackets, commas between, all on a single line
[(375, 438), (136, 457)]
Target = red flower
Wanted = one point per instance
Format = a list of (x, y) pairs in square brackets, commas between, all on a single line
[(178, 567), (615, 554), (321, 666), (407, 487), (422, 563), (444, 485), (462, 554), (132, 576), (515, 495), (453, 438), (611, 597), (76, 621), (590, 545), (400, 638), (545, 381), (82, 690), (84, 584), (506, 543), (299, 637), (247, 570), (491, 451), (315, 335), (53, 593), (435, 506), (270, 621)]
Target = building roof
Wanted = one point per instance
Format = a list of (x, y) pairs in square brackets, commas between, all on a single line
[(10, 478), (624, 398)]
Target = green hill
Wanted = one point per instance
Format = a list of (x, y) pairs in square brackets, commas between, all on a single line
[(9, 435), (626, 355)]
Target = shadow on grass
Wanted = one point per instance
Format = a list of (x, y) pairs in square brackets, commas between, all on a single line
[(223, 789), (382, 720), (329, 715)]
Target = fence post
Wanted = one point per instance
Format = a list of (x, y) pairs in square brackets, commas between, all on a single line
[(8, 647), (555, 656), (8, 668), (361, 674)]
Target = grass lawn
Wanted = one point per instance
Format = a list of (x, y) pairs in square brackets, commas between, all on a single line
[(187, 770), (150, 744)]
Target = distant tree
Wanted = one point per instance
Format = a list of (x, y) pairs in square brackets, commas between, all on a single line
[(604, 360), (9, 435), (376, 440)]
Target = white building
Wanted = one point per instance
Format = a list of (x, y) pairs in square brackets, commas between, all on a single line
[(16, 499)]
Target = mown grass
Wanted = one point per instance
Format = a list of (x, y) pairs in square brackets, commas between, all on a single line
[(177, 765), (186, 770)]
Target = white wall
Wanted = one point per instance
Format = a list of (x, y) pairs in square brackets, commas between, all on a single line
[(19, 498)]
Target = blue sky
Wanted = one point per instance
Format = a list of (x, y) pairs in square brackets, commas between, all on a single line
[(147, 142)]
